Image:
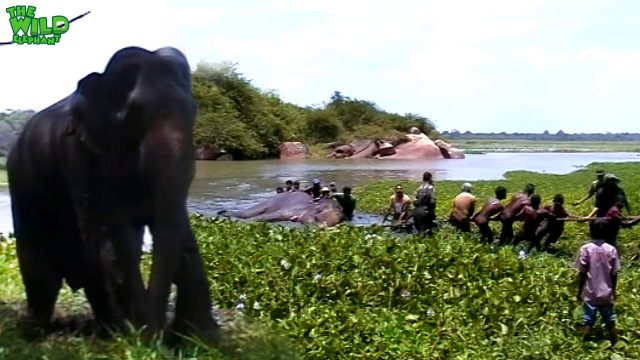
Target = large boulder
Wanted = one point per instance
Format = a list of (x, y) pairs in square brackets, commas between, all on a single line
[(449, 151), (293, 150), (415, 146), (342, 151)]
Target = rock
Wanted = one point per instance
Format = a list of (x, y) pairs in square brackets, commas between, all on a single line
[(449, 151), (293, 150), (416, 146), (342, 151), (204, 153), (225, 157), (385, 149)]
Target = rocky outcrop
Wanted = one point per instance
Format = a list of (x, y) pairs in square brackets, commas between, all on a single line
[(414, 145), (293, 151), (204, 153), (449, 151)]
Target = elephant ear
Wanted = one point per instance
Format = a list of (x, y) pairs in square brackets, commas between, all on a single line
[(87, 88), (104, 100)]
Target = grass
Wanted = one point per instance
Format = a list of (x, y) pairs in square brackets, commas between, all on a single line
[(364, 293), (512, 145)]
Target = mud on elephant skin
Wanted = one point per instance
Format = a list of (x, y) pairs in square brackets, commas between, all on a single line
[(89, 172), (292, 206)]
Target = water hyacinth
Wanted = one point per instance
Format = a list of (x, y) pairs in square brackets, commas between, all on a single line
[(466, 300), (284, 264), (430, 312), (316, 278)]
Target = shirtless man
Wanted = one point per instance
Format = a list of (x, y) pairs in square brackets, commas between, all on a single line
[(552, 228), (463, 208), (532, 215), (491, 207), (398, 206), (511, 212)]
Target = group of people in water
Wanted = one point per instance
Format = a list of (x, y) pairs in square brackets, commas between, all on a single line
[(541, 225), (319, 192)]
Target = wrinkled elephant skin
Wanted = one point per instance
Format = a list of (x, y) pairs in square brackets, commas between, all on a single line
[(293, 206), (89, 172)]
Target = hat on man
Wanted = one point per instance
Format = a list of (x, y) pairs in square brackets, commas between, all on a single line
[(316, 181), (611, 177), (466, 186), (399, 188), (325, 189), (332, 184)]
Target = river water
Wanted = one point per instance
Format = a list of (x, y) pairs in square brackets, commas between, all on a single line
[(235, 185)]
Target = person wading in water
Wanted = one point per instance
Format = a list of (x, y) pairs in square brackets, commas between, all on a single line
[(424, 214)]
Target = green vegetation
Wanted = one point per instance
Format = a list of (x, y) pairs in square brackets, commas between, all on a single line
[(528, 145), (250, 123), (350, 292), (3, 172)]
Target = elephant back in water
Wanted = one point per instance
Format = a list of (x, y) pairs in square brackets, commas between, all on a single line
[(293, 206)]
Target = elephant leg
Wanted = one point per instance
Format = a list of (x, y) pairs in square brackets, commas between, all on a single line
[(42, 284), (99, 286), (130, 289), (42, 280), (193, 302)]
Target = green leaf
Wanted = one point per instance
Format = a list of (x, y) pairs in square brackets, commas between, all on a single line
[(412, 317), (504, 329)]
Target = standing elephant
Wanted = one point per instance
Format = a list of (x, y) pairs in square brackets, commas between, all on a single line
[(89, 172)]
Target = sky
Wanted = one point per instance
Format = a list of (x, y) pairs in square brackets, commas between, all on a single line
[(468, 65)]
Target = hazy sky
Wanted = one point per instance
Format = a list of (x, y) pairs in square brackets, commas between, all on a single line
[(491, 65)]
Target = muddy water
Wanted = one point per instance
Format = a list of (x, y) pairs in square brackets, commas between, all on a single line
[(237, 185)]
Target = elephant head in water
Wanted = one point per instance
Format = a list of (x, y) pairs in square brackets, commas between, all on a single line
[(89, 172)]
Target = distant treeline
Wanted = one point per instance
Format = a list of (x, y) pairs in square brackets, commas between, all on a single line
[(559, 136), (11, 123), (237, 118)]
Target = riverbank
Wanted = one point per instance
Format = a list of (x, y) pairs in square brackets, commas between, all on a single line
[(351, 292), (472, 146)]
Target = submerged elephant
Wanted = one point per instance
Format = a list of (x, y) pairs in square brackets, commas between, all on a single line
[(89, 172), (293, 206)]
